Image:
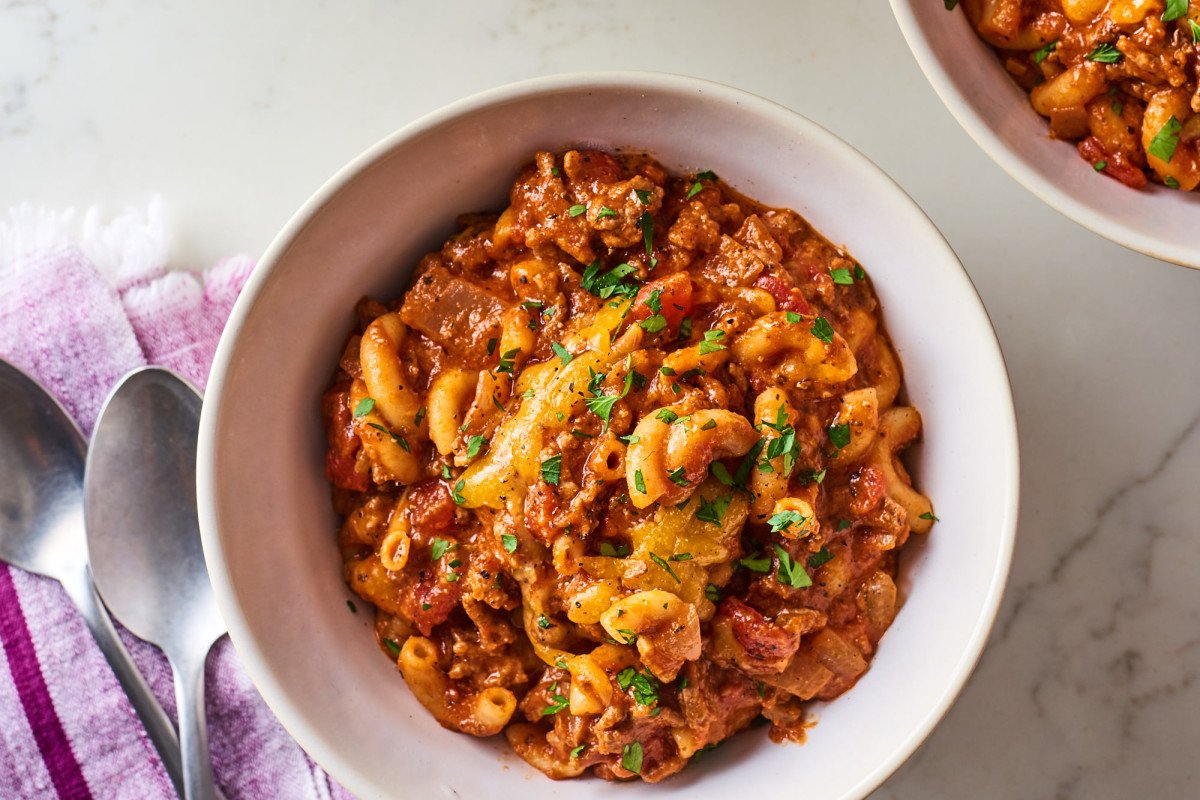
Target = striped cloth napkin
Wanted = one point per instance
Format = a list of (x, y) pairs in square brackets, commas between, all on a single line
[(80, 305)]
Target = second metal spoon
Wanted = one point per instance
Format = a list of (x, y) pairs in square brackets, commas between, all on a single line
[(144, 538)]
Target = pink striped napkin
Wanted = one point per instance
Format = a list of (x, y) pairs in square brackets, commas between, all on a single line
[(80, 305)]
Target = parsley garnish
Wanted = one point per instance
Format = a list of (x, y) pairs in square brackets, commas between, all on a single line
[(820, 557), (506, 360), (755, 563), (439, 548), (786, 519), (474, 444), (714, 512), (1170, 182), (793, 317), (666, 415), (458, 487), (843, 525), (364, 407), (509, 541), (446, 472), (552, 469), (839, 435), (1105, 53), (610, 283), (639, 482), (544, 623), (609, 551), (1175, 10), (560, 702), (1040, 55), (1195, 31), (791, 572), (822, 330), (645, 686), (353, 608), (1166, 140), (427, 606), (577, 209), (929, 515), (393, 647), (666, 566), (859, 274), (712, 593), (950, 4), (685, 328), (654, 324), (563, 353), (711, 343), (677, 477), (631, 757), (842, 276), (576, 751), (492, 346), (1099, 166), (421, 412), (400, 440), (605, 211), (647, 223), (644, 196), (719, 471)]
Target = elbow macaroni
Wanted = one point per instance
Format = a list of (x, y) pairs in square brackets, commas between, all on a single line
[(622, 492)]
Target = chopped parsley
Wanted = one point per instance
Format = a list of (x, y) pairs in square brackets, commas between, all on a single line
[(400, 440), (1170, 182), (560, 702), (563, 353), (506, 360), (791, 572), (720, 472), (950, 4), (364, 407), (1040, 55), (647, 223), (544, 623), (426, 606), (576, 209), (842, 276), (474, 445), (509, 541), (714, 512), (631, 757), (822, 330), (644, 685), (552, 469), (755, 563), (576, 751), (1118, 107), (712, 593), (1105, 53), (654, 324), (1099, 166), (843, 525), (639, 482), (1175, 10), (421, 412), (458, 487), (446, 472), (929, 515), (784, 520), (610, 283), (839, 435), (609, 551), (1166, 140), (492, 345), (439, 548), (711, 343), (859, 273), (658, 560), (644, 196), (353, 608), (708, 426), (678, 477), (793, 317), (605, 211), (820, 557), (685, 328), (602, 404), (1195, 31), (393, 647), (666, 415)]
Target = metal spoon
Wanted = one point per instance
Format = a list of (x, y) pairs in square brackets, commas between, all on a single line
[(140, 497), (41, 530)]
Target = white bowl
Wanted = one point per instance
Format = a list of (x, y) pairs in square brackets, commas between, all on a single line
[(269, 533), (967, 75)]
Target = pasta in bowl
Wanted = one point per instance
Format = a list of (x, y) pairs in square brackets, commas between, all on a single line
[(621, 470), (312, 646)]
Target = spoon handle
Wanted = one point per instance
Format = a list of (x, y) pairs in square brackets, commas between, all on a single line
[(158, 725), (193, 734)]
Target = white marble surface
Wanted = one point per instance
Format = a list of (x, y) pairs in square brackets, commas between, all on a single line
[(237, 111)]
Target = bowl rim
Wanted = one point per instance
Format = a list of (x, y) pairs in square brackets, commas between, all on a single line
[(254, 655), (1013, 162)]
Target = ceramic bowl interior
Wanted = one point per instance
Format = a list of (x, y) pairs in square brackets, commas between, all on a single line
[(973, 84), (269, 533)]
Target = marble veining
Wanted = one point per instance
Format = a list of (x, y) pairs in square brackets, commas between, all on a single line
[(236, 112)]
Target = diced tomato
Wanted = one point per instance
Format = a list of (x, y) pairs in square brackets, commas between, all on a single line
[(1116, 165), (675, 295), (760, 637), (867, 488), (431, 506), (340, 461), (787, 297)]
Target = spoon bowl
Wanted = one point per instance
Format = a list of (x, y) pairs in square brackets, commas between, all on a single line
[(42, 457), (140, 496)]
